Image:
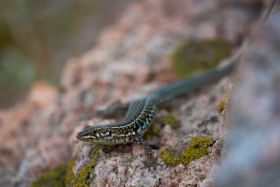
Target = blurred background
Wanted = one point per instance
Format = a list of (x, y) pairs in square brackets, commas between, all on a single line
[(37, 37)]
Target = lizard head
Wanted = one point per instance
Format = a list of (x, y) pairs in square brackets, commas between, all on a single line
[(95, 134)]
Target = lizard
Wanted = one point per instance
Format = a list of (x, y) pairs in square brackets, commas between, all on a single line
[(142, 112)]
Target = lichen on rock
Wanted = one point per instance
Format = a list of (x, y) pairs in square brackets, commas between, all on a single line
[(192, 56), (170, 119), (160, 122), (198, 146), (59, 176), (84, 176)]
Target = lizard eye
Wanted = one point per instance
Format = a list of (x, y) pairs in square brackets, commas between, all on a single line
[(107, 133)]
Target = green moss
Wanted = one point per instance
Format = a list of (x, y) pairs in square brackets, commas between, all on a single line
[(192, 56), (53, 177), (107, 148), (95, 151), (170, 157), (84, 175), (69, 177), (169, 119), (61, 175), (152, 131), (131, 159), (222, 105), (198, 146), (116, 169)]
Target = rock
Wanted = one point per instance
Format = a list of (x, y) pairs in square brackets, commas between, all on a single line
[(253, 154), (129, 61)]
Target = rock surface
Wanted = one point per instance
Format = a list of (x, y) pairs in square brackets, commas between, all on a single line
[(253, 158), (130, 60)]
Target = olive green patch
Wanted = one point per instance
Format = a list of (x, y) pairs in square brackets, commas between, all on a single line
[(170, 119), (192, 56), (59, 176), (198, 146), (152, 131), (84, 176), (116, 169), (223, 104), (131, 159)]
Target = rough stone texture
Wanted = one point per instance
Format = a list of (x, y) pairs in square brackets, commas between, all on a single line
[(253, 158), (130, 60), (18, 123)]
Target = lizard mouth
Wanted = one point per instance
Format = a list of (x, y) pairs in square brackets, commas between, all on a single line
[(85, 137), (83, 133)]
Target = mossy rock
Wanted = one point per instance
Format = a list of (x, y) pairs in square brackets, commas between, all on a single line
[(152, 131), (192, 56), (84, 175), (59, 176), (62, 175), (115, 169), (131, 159), (69, 176), (198, 146), (223, 104), (169, 119), (170, 157)]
